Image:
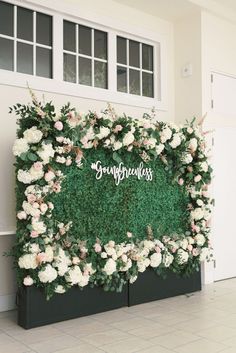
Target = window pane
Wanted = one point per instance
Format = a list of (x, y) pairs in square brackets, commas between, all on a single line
[(69, 68), (134, 59), (100, 44), (6, 19), (85, 40), (43, 62), (134, 81), (121, 79), (85, 71), (147, 57), (24, 24), (147, 84), (69, 36), (100, 74), (43, 29), (25, 58), (121, 51), (6, 54)]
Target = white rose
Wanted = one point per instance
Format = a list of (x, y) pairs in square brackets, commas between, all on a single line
[(60, 159), (103, 132), (200, 202), (48, 274), (197, 213), (190, 240), (151, 143), (83, 281), (155, 259), (182, 256), (149, 244), (46, 152), (183, 243), (24, 176), (193, 144), (28, 261), (20, 146), (59, 289), (187, 158), (141, 266), (167, 259), (165, 134), (189, 130), (204, 166), (38, 226), (48, 253), (90, 134), (36, 174), (28, 281), (133, 279), (30, 210), (33, 135), (34, 248), (159, 148), (128, 138), (200, 239), (110, 267), (176, 141), (110, 250), (74, 275), (117, 145), (103, 255), (21, 215)]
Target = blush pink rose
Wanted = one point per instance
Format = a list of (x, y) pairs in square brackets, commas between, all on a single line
[(21, 215), (117, 128), (31, 198), (97, 248), (181, 181), (41, 257), (190, 247), (34, 234), (58, 125), (157, 249), (195, 252), (129, 234), (49, 176), (38, 165), (197, 178)]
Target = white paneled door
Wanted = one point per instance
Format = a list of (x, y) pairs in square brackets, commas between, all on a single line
[(224, 182)]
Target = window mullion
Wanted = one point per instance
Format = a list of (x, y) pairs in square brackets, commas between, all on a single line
[(127, 58), (77, 53), (92, 53), (34, 43), (141, 64), (112, 71), (57, 51), (15, 43)]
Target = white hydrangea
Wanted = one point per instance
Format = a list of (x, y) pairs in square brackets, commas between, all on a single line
[(176, 140), (200, 239), (165, 134), (197, 213), (48, 274), (128, 138), (103, 132), (20, 146), (24, 176), (155, 259), (33, 135), (46, 152), (167, 259), (159, 148), (38, 226), (28, 261), (110, 267), (182, 256)]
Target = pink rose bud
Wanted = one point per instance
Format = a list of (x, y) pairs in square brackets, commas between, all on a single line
[(58, 125), (60, 139), (157, 249), (68, 162), (34, 234), (129, 234), (118, 128), (38, 165), (21, 215), (50, 205), (49, 176), (43, 207), (197, 178), (97, 248), (190, 247), (181, 181)]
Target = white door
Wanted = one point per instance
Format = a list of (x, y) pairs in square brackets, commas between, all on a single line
[(224, 182)]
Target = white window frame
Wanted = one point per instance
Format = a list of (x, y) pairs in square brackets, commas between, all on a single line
[(59, 86)]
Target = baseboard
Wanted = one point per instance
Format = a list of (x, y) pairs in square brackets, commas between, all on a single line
[(7, 302)]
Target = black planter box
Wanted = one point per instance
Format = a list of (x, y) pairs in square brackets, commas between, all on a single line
[(149, 286), (35, 310)]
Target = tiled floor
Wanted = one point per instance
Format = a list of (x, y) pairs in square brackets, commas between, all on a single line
[(204, 322)]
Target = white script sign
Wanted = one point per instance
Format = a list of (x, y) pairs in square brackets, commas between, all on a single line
[(121, 172)]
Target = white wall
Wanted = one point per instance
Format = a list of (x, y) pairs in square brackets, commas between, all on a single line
[(121, 17)]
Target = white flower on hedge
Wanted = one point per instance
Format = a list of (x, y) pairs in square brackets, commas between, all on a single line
[(128, 139), (33, 135), (59, 289), (190, 240), (28, 261), (167, 259), (182, 256), (197, 213), (74, 275), (117, 145), (133, 279), (151, 143), (183, 243), (36, 171), (46, 152), (110, 267), (187, 158), (30, 210), (200, 239), (103, 132), (200, 202), (38, 226), (149, 244), (155, 260), (48, 274), (28, 281), (48, 253), (127, 266), (165, 134), (109, 250), (60, 159), (84, 281), (159, 148), (21, 215), (34, 248), (193, 144), (176, 141), (20, 146), (205, 254), (204, 166), (24, 176), (62, 262)]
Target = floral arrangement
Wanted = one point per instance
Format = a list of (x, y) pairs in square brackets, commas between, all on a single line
[(45, 255)]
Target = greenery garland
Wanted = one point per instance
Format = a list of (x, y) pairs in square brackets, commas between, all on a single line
[(47, 253)]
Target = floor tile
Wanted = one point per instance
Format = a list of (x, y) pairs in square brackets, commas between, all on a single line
[(174, 339), (54, 344), (107, 337), (126, 346), (201, 345)]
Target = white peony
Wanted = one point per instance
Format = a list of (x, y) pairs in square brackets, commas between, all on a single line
[(46, 152), (200, 239), (176, 141), (20, 146), (165, 134), (159, 148), (28, 261), (182, 256), (155, 259), (74, 275), (128, 139), (33, 135), (197, 213), (110, 267), (167, 259), (48, 274), (187, 158), (24, 176), (38, 226), (103, 132), (204, 166)]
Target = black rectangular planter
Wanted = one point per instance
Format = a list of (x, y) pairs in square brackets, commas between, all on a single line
[(149, 286), (35, 310)]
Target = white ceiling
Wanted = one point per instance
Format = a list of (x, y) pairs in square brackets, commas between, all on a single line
[(230, 4)]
